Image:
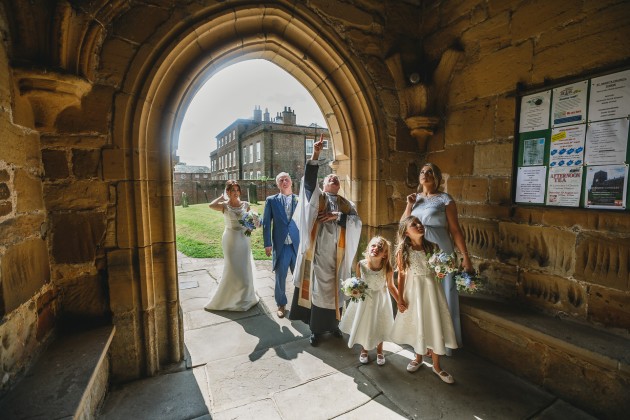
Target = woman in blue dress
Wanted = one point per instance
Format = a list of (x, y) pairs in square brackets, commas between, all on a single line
[(438, 213)]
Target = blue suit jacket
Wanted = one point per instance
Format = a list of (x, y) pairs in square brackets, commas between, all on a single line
[(276, 226)]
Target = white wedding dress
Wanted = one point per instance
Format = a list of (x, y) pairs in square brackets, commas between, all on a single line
[(236, 288)]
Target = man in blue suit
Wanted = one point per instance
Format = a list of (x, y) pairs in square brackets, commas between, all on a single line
[(281, 235)]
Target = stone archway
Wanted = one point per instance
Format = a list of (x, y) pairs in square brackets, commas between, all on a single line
[(159, 84)]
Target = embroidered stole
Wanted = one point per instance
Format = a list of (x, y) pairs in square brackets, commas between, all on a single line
[(306, 286)]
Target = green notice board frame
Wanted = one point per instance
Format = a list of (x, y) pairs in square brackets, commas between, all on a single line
[(572, 144)]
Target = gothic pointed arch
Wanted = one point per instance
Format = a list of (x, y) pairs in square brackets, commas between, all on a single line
[(159, 84)]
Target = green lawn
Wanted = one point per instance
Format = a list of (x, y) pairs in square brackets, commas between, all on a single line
[(199, 230)]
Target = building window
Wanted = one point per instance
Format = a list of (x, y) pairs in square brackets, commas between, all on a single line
[(234, 133), (251, 174), (234, 157), (257, 174), (325, 144), (309, 146), (251, 153), (230, 160), (258, 152), (244, 155), (196, 176), (205, 176), (182, 176)]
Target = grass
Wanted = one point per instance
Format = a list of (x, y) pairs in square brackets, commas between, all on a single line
[(199, 231)]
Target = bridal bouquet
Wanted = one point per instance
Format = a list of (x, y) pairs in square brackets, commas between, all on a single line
[(249, 220), (442, 264), (355, 288), (469, 282)]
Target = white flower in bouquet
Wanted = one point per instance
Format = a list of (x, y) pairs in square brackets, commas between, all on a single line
[(442, 264), (355, 288), (249, 220)]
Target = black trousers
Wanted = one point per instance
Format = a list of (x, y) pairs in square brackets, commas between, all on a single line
[(320, 320)]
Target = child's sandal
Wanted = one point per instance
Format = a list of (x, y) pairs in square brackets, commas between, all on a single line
[(380, 359)]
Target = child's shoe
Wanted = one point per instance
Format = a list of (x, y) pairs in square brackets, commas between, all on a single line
[(380, 359), (363, 357)]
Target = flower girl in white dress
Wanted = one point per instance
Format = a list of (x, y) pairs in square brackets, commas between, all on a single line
[(423, 320), (369, 321), (236, 289)]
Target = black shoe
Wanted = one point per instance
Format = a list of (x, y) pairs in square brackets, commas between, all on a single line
[(314, 340), (337, 333)]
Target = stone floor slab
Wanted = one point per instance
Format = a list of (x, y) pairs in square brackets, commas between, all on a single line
[(238, 381), (246, 336), (326, 397), (332, 354), (379, 408), (172, 396), (259, 410)]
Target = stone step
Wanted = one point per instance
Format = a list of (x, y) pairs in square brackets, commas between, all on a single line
[(584, 365), (68, 381)]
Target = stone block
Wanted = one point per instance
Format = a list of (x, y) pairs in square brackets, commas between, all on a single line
[(451, 10), (122, 276), (347, 13), (502, 278), (86, 163), (558, 62), (126, 26), (19, 146), (4, 175), (586, 24), (534, 17), (46, 314), (76, 236), (456, 161), (494, 159), (489, 35), (55, 164), (482, 237), (19, 344), (5, 192), (116, 54), (553, 294), (6, 207), (484, 211), (28, 191), (93, 117), (24, 269), (23, 226), (126, 356), (494, 74), (569, 218), (617, 222), (439, 41), (78, 195), (548, 249), (602, 259), (602, 392), (505, 118), (459, 123), (84, 299), (468, 189), (500, 191), (115, 163), (531, 215), (609, 307), (505, 347)]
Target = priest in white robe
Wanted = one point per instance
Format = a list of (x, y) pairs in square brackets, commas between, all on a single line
[(330, 229)]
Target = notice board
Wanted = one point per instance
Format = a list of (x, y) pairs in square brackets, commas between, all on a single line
[(572, 144)]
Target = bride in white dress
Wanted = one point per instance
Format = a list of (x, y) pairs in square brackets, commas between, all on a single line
[(236, 288)]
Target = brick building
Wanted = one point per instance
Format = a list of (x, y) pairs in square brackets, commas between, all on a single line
[(262, 147), (192, 180)]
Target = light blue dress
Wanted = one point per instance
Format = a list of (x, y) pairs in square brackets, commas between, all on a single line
[(431, 211)]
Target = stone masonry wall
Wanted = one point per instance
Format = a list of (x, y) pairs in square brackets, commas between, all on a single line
[(565, 261), (28, 300)]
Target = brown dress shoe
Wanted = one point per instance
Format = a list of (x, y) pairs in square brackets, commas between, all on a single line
[(281, 312)]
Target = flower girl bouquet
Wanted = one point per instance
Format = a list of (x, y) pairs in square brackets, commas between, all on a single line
[(249, 220), (442, 264), (355, 288), (469, 282)]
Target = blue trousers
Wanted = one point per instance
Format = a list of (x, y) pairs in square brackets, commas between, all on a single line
[(286, 258)]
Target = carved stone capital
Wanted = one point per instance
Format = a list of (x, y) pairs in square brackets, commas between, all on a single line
[(50, 93), (421, 128)]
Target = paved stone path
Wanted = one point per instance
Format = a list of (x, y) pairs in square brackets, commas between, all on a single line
[(253, 365)]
